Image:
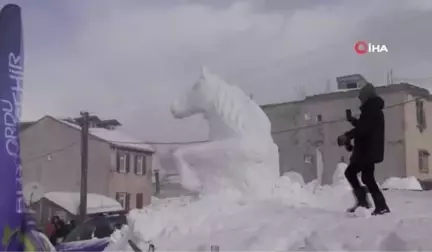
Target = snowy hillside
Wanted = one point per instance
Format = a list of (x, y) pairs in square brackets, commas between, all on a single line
[(292, 218)]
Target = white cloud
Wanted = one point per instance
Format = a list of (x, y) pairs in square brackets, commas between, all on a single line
[(130, 60)]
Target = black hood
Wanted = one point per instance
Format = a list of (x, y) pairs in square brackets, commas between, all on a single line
[(373, 103)]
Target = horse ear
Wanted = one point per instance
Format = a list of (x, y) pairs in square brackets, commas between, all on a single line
[(204, 72)]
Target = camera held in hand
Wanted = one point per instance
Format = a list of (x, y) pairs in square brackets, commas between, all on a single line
[(349, 147), (343, 140), (348, 115), (346, 142)]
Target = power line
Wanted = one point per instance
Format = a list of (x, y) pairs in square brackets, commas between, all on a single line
[(413, 79), (49, 153), (280, 131), (204, 141), (343, 119)]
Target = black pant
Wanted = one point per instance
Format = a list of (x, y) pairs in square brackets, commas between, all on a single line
[(367, 176)]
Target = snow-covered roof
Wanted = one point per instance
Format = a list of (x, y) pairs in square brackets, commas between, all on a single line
[(113, 136), (96, 203), (119, 138)]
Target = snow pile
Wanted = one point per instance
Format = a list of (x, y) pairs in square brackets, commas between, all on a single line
[(339, 174), (409, 183), (119, 238), (295, 178), (292, 189), (295, 217)]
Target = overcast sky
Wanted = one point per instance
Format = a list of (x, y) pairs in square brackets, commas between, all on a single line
[(129, 59)]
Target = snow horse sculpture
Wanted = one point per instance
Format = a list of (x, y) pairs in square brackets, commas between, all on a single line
[(240, 155)]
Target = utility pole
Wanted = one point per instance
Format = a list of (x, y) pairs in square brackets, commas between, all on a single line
[(388, 78), (328, 87), (157, 184), (84, 165), (391, 76)]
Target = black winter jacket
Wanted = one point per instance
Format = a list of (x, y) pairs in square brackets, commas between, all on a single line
[(368, 132)]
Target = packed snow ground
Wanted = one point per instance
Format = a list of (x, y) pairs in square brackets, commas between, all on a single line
[(293, 217)]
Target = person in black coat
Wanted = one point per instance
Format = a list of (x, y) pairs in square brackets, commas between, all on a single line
[(368, 150), (61, 230), (103, 229)]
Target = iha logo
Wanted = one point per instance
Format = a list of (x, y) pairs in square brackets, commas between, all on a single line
[(363, 47)]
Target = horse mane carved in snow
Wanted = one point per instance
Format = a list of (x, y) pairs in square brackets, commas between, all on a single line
[(228, 110), (239, 134)]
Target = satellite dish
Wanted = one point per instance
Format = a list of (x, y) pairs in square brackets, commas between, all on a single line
[(33, 192)]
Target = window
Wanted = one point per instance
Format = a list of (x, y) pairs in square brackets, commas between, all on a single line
[(140, 165), (352, 85), (308, 159), (139, 200), (123, 198), (319, 118), (423, 161), (122, 162), (421, 115)]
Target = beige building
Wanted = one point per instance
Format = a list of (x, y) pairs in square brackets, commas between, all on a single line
[(301, 127), (118, 165)]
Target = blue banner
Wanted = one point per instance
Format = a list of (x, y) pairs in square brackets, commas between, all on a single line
[(12, 208)]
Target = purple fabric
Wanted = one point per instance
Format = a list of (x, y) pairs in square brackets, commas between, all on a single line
[(88, 245)]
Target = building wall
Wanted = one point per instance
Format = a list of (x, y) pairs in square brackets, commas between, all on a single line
[(294, 145), (130, 182), (61, 170), (415, 139)]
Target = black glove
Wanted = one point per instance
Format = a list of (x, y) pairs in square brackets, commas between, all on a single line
[(348, 115), (349, 147), (342, 140)]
